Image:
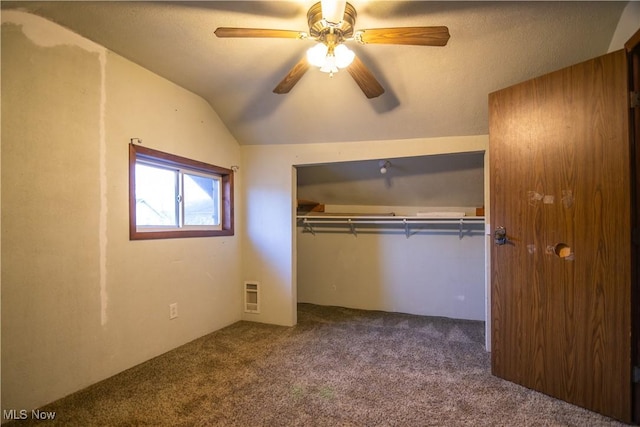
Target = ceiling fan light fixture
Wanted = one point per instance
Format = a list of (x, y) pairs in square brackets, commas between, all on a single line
[(330, 60), (344, 56), (332, 23), (329, 65), (316, 55)]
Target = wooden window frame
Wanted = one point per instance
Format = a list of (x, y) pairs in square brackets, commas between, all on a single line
[(137, 152)]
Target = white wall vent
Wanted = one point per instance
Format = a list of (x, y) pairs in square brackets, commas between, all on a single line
[(252, 297)]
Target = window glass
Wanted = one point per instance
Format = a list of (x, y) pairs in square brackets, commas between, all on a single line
[(201, 200), (156, 195)]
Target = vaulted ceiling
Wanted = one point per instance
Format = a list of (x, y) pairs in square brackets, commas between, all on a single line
[(430, 91)]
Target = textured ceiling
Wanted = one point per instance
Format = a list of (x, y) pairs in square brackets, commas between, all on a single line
[(430, 91)]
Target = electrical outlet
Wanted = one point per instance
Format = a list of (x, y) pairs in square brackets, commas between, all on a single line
[(173, 310)]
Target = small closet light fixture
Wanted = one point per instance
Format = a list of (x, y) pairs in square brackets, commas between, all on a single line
[(384, 166)]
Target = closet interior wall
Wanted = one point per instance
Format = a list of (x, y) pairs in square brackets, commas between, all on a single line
[(428, 268)]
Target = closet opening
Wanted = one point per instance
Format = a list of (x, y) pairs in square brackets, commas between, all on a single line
[(394, 234)]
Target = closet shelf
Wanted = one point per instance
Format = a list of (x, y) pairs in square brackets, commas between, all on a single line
[(308, 221)]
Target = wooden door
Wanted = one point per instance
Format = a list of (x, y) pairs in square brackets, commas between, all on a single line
[(633, 51), (560, 186)]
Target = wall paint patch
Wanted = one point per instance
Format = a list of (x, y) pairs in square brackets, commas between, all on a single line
[(102, 228), (45, 33)]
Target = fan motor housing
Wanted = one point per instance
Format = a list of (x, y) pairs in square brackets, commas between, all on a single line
[(319, 27)]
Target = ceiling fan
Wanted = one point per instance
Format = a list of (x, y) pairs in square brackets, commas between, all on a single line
[(331, 24)]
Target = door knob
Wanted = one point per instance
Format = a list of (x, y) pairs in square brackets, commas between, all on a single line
[(500, 236)]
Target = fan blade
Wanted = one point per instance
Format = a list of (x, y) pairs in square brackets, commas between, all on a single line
[(365, 79), (259, 32), (292, 78), (421, 36)]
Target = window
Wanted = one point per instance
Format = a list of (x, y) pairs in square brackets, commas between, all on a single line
[(171, 196)]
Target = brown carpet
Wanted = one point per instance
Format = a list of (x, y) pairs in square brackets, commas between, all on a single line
[(337, 367)]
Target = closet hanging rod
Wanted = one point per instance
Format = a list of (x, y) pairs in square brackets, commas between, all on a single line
[(407, 222), (390, 220)]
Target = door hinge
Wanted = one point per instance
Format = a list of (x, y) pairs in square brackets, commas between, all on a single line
[(635, 375), (634, 99)]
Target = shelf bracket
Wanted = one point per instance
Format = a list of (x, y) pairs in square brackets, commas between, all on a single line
[(308, 227), (353, 227), (460, 229), (406, 227)]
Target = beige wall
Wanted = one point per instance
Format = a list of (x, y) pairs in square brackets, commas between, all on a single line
[(269, 248), (80, 302)]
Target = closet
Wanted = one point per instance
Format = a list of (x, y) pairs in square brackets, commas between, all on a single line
[(401, 234)]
